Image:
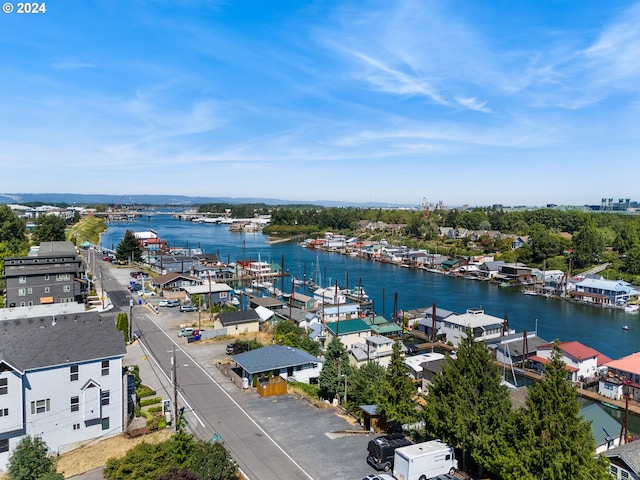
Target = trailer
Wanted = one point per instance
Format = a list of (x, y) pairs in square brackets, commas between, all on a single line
[(423, 461)]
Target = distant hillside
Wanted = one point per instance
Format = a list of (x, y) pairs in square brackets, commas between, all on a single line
[(176, 200)]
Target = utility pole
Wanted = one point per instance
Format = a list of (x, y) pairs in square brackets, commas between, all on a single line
[(175, 389), (131, 318), (101, 288)]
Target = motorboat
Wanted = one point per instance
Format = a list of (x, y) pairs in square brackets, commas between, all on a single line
[(632, 308), (626, 327)]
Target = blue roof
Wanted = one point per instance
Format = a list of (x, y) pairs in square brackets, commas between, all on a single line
[(273, 357)]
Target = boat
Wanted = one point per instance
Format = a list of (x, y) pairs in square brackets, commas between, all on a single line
[(529, 292), (610, 405), (632, 308), (504, 284), (626, 327)]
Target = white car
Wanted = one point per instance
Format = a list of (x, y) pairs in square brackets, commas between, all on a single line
[(163, 303)]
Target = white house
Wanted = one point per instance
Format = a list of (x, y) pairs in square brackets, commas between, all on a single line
[(483, 326), (60, 379), (580, 361), (341, 312), (375, 348), (329, 296)]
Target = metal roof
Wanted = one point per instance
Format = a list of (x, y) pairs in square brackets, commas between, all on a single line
[(273, 357)]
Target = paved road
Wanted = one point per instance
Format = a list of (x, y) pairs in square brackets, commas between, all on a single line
[(270, 438)]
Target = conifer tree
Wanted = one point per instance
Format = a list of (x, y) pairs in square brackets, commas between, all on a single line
[(396, 400), (129, 248), (553, 441), (468, 408), (336, 366)]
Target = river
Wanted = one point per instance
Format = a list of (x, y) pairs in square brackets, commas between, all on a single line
[(598, 328)]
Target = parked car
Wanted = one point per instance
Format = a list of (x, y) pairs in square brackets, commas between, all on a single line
[(186, 332), (163, 303), (173, 303), (135, 287), (379, 476), (106, 259), (188, 308)]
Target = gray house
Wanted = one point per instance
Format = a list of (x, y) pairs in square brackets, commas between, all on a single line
[(278, 360), (60, 379), (54, 273)]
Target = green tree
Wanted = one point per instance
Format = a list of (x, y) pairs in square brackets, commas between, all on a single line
[(49, 228), (13, 232), (588, 245), (396, 396), (632, 261), (30, 460), (552, 440), (336, 365), (468, 408), (129, 247), (628, 237), (365, 385), (182, 452)]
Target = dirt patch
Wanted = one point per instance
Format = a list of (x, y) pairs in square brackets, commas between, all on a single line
[(95, 454)]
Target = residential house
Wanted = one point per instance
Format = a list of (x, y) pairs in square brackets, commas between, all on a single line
[(416, 363), (625, 461), (619, 376), (341, 312), (174, 263), (517, 273), (482, 325), (519, 241), (236, 323), (277, 360), (349, 332), (60, 379), (54, 273), (375, 348), (267, 302), (303, 301), (425, 323), (604, 428), (581, 362), (489, 270), (213, 293), (516, 348), (172, 280), (604, 292)]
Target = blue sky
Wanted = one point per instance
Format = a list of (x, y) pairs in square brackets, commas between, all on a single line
[(519, 103)]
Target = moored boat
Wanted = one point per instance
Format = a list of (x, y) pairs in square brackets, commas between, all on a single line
[(632, 308)]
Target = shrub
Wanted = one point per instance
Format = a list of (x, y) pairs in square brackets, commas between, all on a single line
[(150, 401), (144, 391)]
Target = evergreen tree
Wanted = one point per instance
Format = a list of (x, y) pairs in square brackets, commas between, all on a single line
[(336, 365), (30, 460), (553, 441), (468, 408), (49, 228), (397, 392), (13, 232), (365, 385), (588, 244), (128, 248)]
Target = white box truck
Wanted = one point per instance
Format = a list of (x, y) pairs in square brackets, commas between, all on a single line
[(424, 460)]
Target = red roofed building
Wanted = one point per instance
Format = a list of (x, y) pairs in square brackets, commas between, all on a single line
[(581, 361), (622, 372)]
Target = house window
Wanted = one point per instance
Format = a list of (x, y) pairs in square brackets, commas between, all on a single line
[(104, 397), (105, 423), (4, 386), (66, 288), (4, 445), (613, 470), (23, 304), (73, 373), (223, 294), (105, 368), (624, 474), (30, 303), (29, 291), (22, 279), (47, 289), (46, 277), (22, 292), (4, 412), (75, 404), (76, 426), (40, 406)]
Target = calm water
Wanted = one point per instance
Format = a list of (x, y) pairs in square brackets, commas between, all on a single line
[(597, 328)]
